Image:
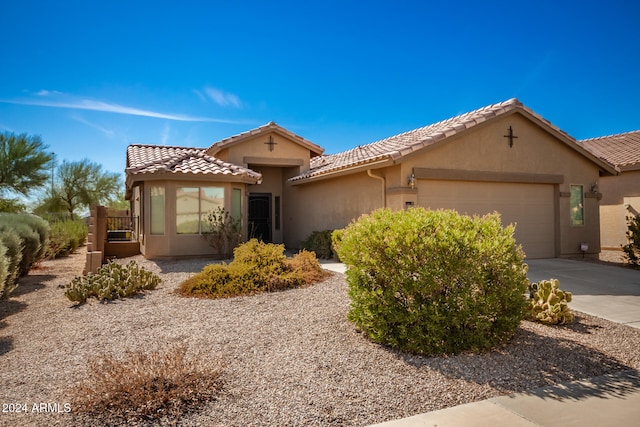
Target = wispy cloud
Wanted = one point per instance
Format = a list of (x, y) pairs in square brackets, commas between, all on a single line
[(80, 119), (224, 99), (55, 99), (45, 92)]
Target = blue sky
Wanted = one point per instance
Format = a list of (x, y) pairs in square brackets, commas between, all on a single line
[(93, 77)]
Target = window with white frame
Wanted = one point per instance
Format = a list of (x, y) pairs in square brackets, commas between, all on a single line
[(192, 206)]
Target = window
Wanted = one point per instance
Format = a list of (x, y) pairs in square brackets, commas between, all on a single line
[(156, 212), (192, 206), (277, 213), (577, 205), (236, 204)]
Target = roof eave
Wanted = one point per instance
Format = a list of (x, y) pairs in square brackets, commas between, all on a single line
[(134, 178), (333, 173)]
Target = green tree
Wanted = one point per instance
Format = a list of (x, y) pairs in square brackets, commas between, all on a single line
[(118, 202), (12, 206), (83, 183), (23, 163)]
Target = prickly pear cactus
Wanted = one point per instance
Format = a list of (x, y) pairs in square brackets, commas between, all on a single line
[(549, 304), (112, 281)]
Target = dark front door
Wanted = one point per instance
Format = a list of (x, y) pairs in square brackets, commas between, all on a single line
[(260, 216)]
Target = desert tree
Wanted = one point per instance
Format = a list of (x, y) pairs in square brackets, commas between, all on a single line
[(24, 164), (83, 183)]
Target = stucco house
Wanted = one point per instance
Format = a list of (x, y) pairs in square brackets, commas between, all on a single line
[(620, 194), (503, 157)]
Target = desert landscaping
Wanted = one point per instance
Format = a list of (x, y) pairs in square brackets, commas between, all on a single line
[(289, 358)]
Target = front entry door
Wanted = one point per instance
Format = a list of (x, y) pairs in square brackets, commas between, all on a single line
[(260, 216)]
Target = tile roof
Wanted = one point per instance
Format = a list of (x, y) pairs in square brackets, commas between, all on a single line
[(149, 159), (271, 126), (622, 150), (405, 143)]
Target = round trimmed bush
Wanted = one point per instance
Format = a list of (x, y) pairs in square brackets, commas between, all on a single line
[(433, 282)]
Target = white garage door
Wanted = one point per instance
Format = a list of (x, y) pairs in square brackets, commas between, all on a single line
[(529, 206)]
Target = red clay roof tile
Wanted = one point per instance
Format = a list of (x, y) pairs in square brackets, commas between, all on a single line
[(145, 159), (622, 150)]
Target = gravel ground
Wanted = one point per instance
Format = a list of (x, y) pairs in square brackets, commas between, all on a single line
[(292, 358)]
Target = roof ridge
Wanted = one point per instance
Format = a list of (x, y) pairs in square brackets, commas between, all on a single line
[(185, 153), (610, 136), (270, 125), (509, 102), (404, 143), (512, 101), (180, 147), (164, 159)]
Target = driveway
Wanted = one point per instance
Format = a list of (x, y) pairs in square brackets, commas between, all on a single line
[(610, 292)]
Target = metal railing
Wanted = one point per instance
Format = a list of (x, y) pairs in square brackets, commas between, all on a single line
[(122, 227)]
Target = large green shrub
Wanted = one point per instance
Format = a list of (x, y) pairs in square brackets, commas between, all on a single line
[(256, 267), (4, 271), (112, 281), (11, 240), (41, 227), (66, 236), (30, 237), (632, 248), (433, 282)]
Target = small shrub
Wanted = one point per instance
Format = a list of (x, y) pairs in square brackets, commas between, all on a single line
[(66, 236), (320, 243), (212, 280), (222, 231), (434, 282), (256, 267), (147, 386), (112, 281), (632, 248), (306, 264), (548, 304), (269, 257)]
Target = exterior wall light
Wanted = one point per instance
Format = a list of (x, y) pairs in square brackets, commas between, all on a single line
[(412, 181)]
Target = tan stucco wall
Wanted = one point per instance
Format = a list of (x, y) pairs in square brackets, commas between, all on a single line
[(252, 148), (172, 244), (620, 199), (535, 152), (333, 203), (328, 204)]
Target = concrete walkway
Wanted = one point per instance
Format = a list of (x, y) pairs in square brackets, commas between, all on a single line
[(611, 400), (609, 292)]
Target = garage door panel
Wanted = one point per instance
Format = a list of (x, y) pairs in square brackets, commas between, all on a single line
[(529, 206)]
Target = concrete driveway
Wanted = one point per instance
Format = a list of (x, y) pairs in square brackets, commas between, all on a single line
[(610, 292)]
